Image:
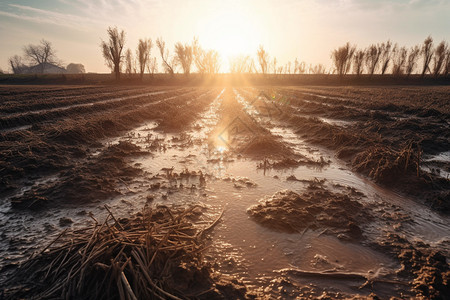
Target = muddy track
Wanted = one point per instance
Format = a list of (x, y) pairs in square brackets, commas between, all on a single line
[(60, 102), (410, 103), (374, 141), (60, 138), (31, 117), (276, 214)]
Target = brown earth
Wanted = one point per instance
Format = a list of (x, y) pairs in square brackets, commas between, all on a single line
[(387, 133)]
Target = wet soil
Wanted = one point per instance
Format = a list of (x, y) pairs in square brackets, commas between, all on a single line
[(296, 217), (316, 208), (388, 134)]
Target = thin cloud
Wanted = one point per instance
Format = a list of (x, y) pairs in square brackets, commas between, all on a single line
[(28, 18), (51, 17)]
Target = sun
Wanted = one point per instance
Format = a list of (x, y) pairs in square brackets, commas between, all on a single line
[(230, 31)]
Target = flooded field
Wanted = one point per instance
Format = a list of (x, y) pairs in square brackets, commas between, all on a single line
[(301, 192)]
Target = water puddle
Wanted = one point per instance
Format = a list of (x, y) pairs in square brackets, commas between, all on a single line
[(335, 122), (437, 164)]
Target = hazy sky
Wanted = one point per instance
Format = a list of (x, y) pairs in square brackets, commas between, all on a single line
[(288, 29)]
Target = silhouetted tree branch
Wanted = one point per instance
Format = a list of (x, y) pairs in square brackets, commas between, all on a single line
[(112, 50), (40, 55), (385, 56), (239, 64), (168, 63), (446, 70), (427, 54), (143, 55), (439, 58), (412, 59), (263, 59), (128, 62), (17, 66), (399, 60), (152, 66), (342, 58), (358, 60), (184, 57), (372, 58)]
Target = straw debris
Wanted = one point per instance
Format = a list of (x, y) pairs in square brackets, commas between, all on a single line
[(155, 254)]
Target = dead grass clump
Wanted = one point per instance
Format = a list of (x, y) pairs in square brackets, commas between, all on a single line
[(155, 254), (386, 165)]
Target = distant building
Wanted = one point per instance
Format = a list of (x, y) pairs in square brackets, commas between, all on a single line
[(44, 68), (73, 68)]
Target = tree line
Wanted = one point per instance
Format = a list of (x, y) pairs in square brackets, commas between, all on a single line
[(379, 58), (382, 58), (184, 56), (376, 59)]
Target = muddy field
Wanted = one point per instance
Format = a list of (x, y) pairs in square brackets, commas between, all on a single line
[(224, 192)]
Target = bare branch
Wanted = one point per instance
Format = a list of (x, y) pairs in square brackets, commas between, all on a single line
[(112, 50)]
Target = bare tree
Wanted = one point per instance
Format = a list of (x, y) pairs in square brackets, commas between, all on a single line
[(439, 58), (239, 64), (112, 50), (358, 60), (274, 65), (427, 54), (342, 58), (212, 62), (17, 66), (412, 60), (318, 69), (40, 55), (385, 56), (399, 60), (143, 55), (302, 68), (296, 63), (263, 59), (168, 63), (184, 57), (206, 61), (446, 70), (199, 56), (128, 62), (152, 66), (372, 58), (75, 68), (251, 66)]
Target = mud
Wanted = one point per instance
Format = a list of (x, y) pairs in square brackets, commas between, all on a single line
[(427, 268), (385, 141), (94, 180), (326, 231), (48, 149), (171, 271), (316, 208)]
